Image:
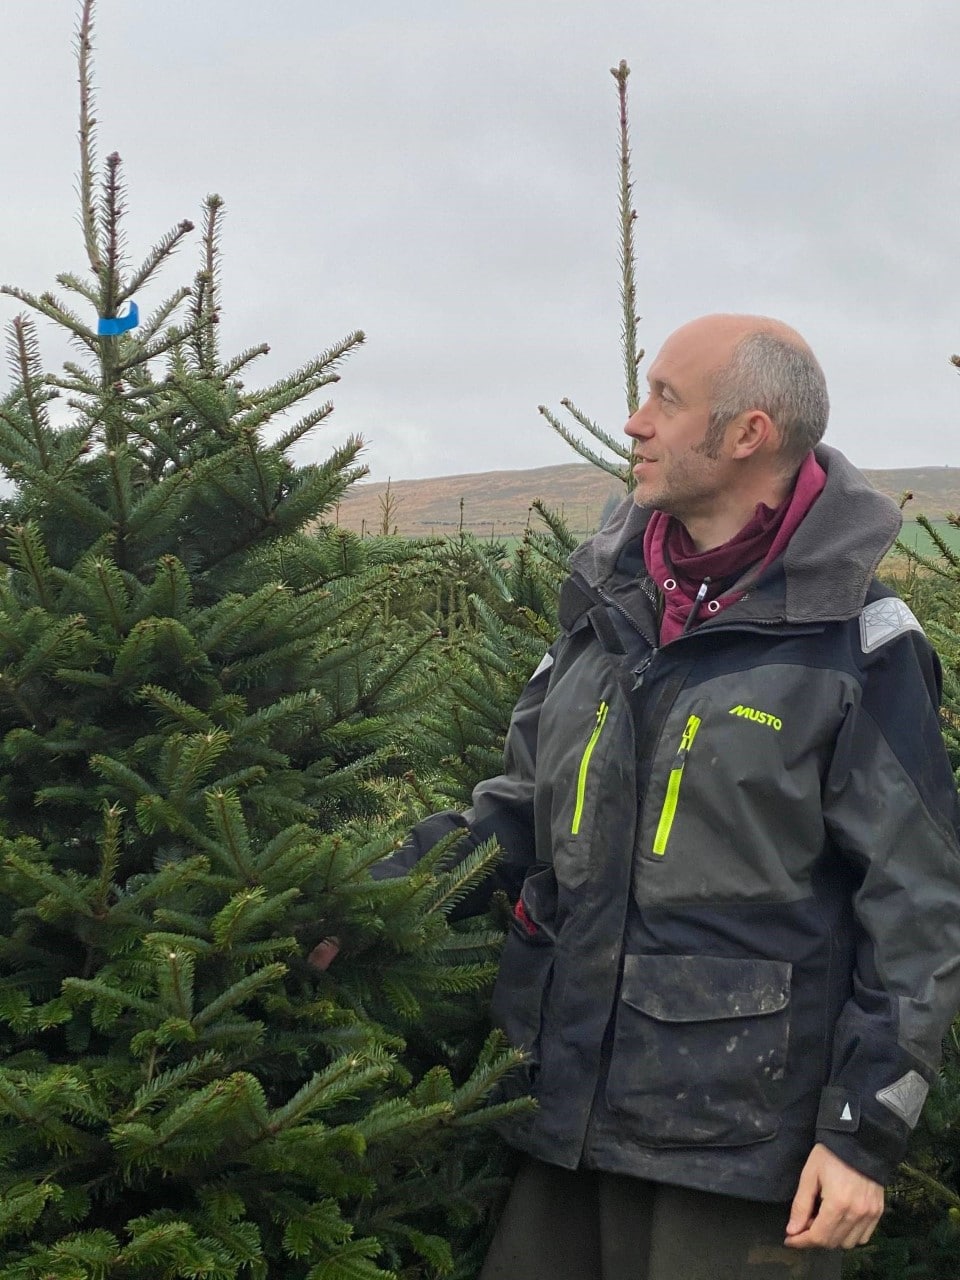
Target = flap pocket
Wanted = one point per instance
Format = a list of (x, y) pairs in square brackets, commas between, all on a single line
[(700, 1049), (705, 988)]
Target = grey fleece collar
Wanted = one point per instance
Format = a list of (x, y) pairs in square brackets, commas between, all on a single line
[(829, 562)]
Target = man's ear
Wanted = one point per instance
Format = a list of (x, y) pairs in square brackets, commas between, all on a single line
[(752, 431)]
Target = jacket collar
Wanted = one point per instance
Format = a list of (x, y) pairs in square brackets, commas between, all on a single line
[(825, 572)]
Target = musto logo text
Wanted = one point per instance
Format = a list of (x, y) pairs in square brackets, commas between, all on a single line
[(759, 717)]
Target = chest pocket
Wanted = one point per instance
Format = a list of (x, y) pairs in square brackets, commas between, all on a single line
[(583, 773), (577, 788), (672, 797)]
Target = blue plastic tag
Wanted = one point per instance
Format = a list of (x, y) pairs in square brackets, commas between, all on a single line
[(110, 326)]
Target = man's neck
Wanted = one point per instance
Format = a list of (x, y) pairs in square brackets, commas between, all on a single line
[(713, 529)]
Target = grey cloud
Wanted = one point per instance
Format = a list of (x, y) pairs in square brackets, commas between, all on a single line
[(445, 178)]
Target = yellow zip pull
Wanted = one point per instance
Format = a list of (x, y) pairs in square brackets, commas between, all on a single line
[(585, 768), (689, 733), (669, 810)]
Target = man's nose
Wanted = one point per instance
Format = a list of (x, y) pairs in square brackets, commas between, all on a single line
[(638, 424)]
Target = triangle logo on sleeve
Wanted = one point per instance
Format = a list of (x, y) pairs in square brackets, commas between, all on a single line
[(839, 1110)]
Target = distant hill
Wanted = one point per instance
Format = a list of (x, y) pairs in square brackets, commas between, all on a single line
[(496, 503)]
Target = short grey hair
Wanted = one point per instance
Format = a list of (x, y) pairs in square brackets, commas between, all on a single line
[(782, 379)]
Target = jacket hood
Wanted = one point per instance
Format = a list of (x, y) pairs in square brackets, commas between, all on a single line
[(828, 565)]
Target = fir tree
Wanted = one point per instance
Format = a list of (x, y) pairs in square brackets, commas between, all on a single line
[(199, 701), (632, 355), (498, 616)]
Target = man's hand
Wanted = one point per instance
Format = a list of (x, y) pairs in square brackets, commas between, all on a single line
[(835, 1206), (324, 953)]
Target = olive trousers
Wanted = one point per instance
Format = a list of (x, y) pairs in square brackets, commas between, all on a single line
[(560, 1224)]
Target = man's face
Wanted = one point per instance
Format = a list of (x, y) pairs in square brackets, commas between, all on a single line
[(675, 467)]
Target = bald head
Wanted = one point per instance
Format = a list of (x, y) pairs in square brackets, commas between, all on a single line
[(755, 362), (730, 328)]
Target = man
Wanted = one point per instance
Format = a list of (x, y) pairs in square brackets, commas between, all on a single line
[(729, 826)]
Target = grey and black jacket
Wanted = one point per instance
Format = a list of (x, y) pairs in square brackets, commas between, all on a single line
[(735, 864)]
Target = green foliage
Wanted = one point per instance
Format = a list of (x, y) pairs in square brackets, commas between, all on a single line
[(495, 618), (208, 702)]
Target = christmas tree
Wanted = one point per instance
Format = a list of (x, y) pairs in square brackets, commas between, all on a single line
[(205, 705), (497, 614), (919, 1235), (619, 464)]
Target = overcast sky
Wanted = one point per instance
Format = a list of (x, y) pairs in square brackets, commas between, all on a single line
[(442, 174)]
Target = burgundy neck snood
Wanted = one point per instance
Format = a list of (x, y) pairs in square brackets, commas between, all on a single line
[(679, 569)]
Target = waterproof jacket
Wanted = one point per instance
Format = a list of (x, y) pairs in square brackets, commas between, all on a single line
[(735, 864)]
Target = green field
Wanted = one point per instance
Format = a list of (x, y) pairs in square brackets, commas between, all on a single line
[(913, 536)]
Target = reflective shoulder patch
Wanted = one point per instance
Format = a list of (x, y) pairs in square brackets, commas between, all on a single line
[(905, 1097), (884, 620), (546, 662)]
